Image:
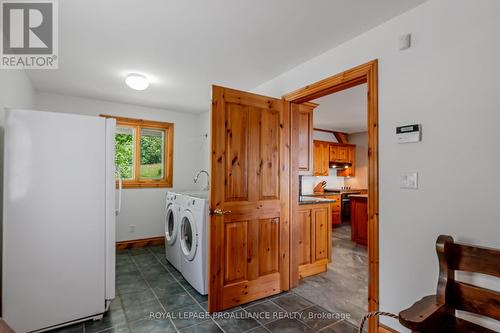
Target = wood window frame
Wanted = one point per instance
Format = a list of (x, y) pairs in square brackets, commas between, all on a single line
[(365, 73), (139, 124)]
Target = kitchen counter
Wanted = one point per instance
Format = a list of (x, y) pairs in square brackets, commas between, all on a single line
[(317, 194), (308, 200), (358, 196)]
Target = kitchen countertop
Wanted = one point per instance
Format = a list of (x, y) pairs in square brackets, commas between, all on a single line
[(331, 193), (359, 196), (307, 200)]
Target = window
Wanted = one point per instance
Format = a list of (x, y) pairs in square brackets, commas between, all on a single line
[(144, 152)]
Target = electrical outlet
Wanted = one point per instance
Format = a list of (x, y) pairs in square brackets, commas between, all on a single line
[(131, 228), (409, 180)]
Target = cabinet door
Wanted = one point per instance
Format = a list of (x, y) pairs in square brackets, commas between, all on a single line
[(333, 153), (359, 221), (342, 155), (335, 209), (336, 220), (305, 131), (321, 216), (321, 161), (304, 240), (351, 158)]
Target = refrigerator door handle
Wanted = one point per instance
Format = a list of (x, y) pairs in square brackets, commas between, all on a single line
[(120, 185)]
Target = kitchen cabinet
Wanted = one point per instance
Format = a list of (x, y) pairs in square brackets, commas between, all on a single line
[(343, 153), (314, 238), (359, 219), (326, 153), (338, 153), (321, 158), (335, 208), (304, 126), (351, 158)]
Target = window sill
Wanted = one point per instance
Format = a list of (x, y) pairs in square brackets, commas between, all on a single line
[(162, 184)]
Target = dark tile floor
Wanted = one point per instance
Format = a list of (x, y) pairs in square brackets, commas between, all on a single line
[(344, 287), (146, 283)]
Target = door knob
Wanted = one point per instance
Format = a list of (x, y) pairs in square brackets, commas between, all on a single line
[(220, 212)]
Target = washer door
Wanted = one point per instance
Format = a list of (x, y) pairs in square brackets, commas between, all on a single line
[(171, 226), (189, 236)]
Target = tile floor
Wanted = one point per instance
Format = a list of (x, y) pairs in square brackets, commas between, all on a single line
[(344, 287), (147, 283)]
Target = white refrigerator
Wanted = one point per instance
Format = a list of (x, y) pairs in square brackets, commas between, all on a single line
[(58, 242)]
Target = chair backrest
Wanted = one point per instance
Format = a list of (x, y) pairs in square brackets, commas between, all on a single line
[(460, 295)]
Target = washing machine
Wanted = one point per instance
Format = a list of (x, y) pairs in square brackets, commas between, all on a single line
[(194, 243), (174, 202)]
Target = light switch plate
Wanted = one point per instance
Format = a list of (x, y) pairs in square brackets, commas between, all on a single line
[(409, 180)]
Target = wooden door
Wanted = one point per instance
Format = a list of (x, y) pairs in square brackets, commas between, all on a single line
[(249, 198)]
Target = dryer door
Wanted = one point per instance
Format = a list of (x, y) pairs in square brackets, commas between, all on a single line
[(189, 236), (171, 227)]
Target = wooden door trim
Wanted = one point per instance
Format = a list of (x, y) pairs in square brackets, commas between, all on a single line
[(365, 73)]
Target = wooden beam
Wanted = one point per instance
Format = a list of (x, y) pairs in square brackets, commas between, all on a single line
[(340, 136), (128, 244)]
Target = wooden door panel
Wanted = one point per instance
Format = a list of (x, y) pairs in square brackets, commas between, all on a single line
[(321, 225), (268, 170), (268, 246), (304, 236), (304, 130), (248, 256), (342, 154), (333, 153), (237, 152), (236, 241)]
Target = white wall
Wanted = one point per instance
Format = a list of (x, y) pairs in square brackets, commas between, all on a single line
[(143, 208), (360, 179), (448, 82), (204, 124), (16, 91)]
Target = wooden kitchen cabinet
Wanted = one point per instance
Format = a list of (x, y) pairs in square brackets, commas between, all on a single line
[(351, 158), (321, 158), (335, 208), (314, 239), (330, 152), (304, 126), (359, 219)]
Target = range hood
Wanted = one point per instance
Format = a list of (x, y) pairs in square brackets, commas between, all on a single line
[(339, 165)]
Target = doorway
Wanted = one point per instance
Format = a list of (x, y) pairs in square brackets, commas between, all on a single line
[(363, 74), (255, 189)]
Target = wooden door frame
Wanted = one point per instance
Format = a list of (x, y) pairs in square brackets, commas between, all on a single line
[(365, 73)]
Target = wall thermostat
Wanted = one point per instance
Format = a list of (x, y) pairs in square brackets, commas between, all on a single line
[(409, 133)]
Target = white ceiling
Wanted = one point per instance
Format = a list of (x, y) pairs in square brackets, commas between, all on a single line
[(344, 111), (185, 46)]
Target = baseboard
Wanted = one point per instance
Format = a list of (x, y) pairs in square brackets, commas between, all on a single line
[(4, 328), (128, 244), (385, 329)]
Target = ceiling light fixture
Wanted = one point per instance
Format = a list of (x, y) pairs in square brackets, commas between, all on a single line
[(137, 81)]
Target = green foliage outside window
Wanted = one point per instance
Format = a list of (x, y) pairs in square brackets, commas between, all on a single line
[(152, 145), (124, 154)]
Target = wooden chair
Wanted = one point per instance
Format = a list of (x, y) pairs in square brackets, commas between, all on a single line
[(436, 313)]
